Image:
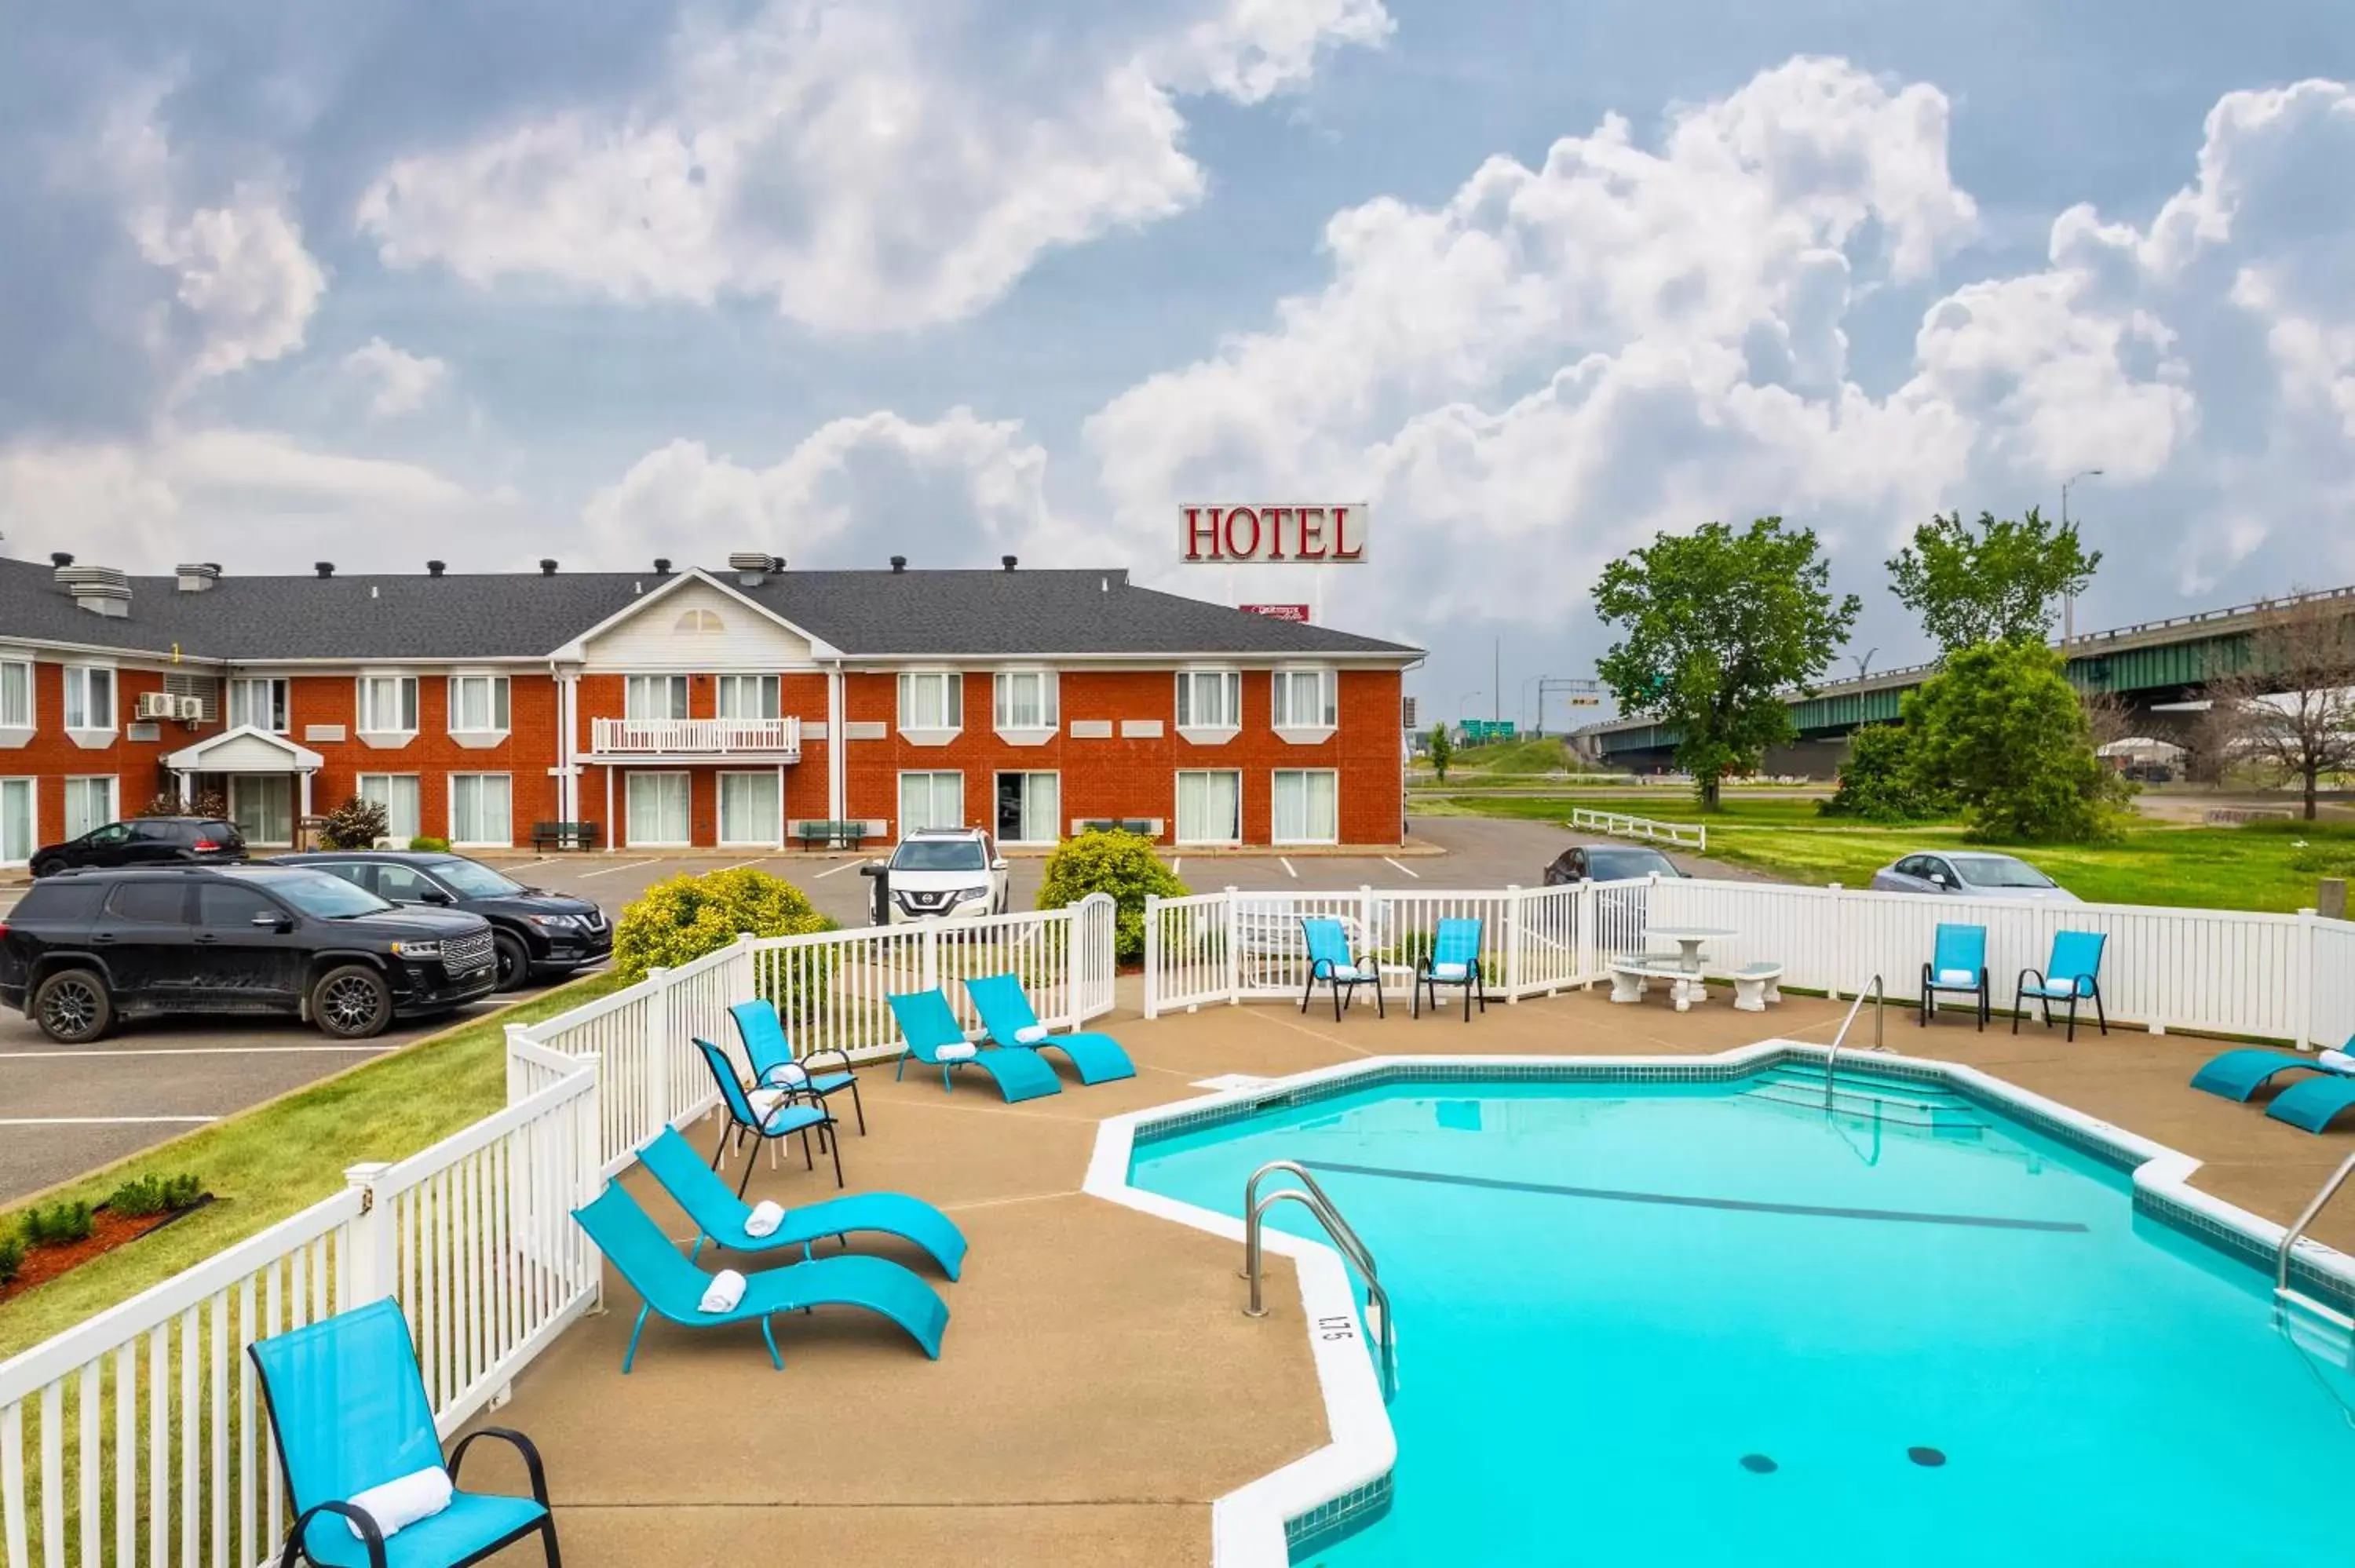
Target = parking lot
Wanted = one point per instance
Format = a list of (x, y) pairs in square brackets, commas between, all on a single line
[(64, 1110)]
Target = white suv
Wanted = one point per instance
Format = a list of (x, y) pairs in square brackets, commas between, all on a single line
[(946, 873)]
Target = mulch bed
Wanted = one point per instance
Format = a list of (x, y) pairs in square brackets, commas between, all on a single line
[(108, 1231)]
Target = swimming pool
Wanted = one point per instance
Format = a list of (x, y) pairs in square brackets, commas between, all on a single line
[(1710, 1322)]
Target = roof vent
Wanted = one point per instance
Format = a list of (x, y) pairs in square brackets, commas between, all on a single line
[(899, 563), (61, 557), (1006, 561), (435, 568), (752, 566), (325, 568), (196, 577), (548, 566), (101, 590), (661, 565)]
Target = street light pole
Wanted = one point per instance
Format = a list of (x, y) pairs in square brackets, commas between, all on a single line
[(1463, 704), (1864, 663), (2068, 596)]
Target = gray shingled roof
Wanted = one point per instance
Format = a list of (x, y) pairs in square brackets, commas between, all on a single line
[(522, 615)]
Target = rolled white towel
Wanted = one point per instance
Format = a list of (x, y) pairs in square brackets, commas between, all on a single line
[(764, 1101), (726, 1289), (403, 1501), (766, 1216), (1451, 972), (2337, 1061), (1030, 1034), (789, 1074), (1957, 977), (963, 1051)]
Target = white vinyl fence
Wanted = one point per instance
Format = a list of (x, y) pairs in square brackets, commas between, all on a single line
[(2278, 976), (1620, 825)]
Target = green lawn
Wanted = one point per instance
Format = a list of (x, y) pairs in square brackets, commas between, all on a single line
[(277, 1159)]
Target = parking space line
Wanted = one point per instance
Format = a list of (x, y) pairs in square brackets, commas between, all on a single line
[(103, 1054), (834, 871), (1288, 868), (609, 870), (107, 1120), (1177, 866), (1416, 874)]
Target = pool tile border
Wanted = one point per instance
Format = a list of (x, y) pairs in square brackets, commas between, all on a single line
[(1316, 1500)]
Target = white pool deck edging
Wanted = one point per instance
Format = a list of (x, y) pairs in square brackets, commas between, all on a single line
[(1248, 1524)]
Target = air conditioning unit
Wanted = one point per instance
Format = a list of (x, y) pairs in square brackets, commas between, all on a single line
[(192, 709), (157, 705)]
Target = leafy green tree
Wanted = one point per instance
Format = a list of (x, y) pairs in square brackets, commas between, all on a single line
[(2004, 732), (1442, 751), (1109, 861), (1714, 625), (1992, 580), (1880, 783)]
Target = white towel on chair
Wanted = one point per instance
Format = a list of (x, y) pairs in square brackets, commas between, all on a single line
[(790, 1073), (1030, 1034), (1451, 972), (766, 1216), (2338, 1061), (963, 1051), (1957, 977), (763, 1101), (726, 1289), (421, 1494)]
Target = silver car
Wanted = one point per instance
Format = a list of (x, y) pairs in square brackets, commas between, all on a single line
[(1970, 874)]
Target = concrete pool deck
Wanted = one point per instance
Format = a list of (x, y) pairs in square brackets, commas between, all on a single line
[(1098, 1385)]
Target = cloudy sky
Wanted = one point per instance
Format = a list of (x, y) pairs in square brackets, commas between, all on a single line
[(957, 278)]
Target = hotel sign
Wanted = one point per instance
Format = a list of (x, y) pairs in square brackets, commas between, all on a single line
[(1298, 612), (1317, 536)]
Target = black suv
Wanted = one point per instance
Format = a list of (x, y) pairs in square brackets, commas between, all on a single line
[(145, 840), (87, 947), (534, 931)]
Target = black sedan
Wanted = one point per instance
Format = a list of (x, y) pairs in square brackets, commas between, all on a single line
[(1608, 863), (145, 840), (536, 932)]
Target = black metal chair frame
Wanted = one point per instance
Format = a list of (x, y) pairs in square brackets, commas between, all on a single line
[(1345, 988), (732, 1135), (2092, 991), (1930, 997), (1426, 983)]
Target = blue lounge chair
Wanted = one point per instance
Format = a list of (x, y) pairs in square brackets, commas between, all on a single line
[(2239, 1074), (1007, 1016), (936, 1039), (348, 1412), (786, 1117), (1330, 961), (1453, 960), (719, 1214), (1958, 965), (2074, 971), (673, 1286), (774, 1066)]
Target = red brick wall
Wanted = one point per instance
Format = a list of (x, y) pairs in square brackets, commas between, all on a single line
[(53, 758), (525, 755)]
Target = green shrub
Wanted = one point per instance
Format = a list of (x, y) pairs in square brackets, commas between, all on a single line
[(1108, 861), (426, 843), (675, 922), (1879, 783), (354, 824), (48, 1224), (2001, 728), (151, 1194), (205, 803), (11, 1260)]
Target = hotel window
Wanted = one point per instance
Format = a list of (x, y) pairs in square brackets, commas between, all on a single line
[(931, 699), (660, 808), (90, 804), (396, 793), (15, 693), (1029, 808), (258, 701), (479, 809), (748, 697), (702, 622), (1210, 699), (1304, 699), (931, 800), (478, 704), (1307, 806), (654, 697), (15, 821), (1209, 807), (89, 697), (388, 704), (749, 809), (1026, 699)]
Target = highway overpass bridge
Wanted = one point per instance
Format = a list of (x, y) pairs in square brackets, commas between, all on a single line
[(2153, 666)]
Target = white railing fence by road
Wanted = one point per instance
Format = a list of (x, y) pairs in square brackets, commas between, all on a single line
[(139, 1436), (1693, 836)]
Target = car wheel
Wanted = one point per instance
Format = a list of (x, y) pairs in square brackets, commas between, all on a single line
[(515, 963), (352, 1002), (72, 1007)]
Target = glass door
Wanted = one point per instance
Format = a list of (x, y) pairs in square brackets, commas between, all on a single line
[(262, 807), (15, 821), (748, 810), (658, 809)]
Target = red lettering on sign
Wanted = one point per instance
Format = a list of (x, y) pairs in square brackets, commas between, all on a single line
[(1274, 516), (1312, 534), (1197, 531), (1342, 549), (1242, 552)]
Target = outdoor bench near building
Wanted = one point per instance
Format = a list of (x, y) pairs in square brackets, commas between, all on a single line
[(695, 707)]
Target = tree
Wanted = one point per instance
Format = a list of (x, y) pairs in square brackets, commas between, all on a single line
[(1995, 580), (2002, 731), (1442, 751), (1714, 625), (2288, 707), (1879, 781)]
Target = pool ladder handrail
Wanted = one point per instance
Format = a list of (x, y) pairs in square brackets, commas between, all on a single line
[(1311, 1196), (2291, 1237), (1880, 1006)]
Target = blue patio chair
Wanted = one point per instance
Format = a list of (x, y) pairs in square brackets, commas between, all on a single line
[(2309, 1103), (774, 1066), (2073, 972), (347, 1414), (781, 1119), (720, 1216), (1453, 960), (1009, 1020), (935, 1038), (1330, 961), (673, 1286), (1958, 965)]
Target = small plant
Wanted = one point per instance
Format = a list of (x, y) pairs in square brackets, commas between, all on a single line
[(1442, 751), (205, 803), (677, 921), (151, 1194), (57, 1224), (11, 1260), (426, 843), (354, 824), (1122, 864)]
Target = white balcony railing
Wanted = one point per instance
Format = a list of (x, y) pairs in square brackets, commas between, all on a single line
[(770, 737)]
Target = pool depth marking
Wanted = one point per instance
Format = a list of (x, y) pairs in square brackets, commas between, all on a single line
[(1673, 1199)]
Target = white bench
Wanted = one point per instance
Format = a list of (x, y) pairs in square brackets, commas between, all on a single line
[(1630, 975), (1756, 985)]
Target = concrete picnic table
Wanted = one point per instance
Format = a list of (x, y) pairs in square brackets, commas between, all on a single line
[(1689, 940)]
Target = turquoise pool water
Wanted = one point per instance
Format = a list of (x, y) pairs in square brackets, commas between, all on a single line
[(1714, 1324)]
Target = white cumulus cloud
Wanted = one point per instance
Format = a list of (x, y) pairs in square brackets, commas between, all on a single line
[(395, 381)]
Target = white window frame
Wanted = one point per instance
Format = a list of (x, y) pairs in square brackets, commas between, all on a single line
[(364, 717), (629, 818), (1324, 707), (636, 689), (417, 803), (77, 675), (278, 699), (1178, 813), (1276, 780), (768, 695), (719, 808), (1220, 729), (907, 825), (931, 732), (458, 843), (31, 789), (1053, 817), (1045, 716), (500, 700), (112, 811), (17, 722)]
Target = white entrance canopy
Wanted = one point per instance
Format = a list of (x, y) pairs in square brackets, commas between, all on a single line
[(245, 749)]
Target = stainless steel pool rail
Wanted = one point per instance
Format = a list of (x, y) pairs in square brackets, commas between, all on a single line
[(1831, 1055), (2290, 1238), (1311, 1196)]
